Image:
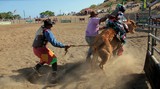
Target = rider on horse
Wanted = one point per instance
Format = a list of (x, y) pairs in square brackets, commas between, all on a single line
[(116, 20)]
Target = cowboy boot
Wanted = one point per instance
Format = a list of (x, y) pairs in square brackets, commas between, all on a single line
[(53, 78)]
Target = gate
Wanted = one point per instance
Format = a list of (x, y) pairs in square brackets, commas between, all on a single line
[(152, 61), (142, 19)]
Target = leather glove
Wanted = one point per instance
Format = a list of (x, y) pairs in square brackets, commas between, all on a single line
[(66, 48)]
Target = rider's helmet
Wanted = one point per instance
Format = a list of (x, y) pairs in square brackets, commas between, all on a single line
[(121, 8)]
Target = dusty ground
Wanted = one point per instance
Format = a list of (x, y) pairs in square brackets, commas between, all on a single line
[(17, 60)]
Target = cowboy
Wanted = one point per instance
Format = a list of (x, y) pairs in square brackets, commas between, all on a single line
[(116, 21), (92, 30), (43, 36)]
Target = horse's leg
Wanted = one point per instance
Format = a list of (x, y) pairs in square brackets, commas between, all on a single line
[(115, 52), (105, 52), (98, 43), (116, 44), (94, 58), (104, 55), (120, 51)]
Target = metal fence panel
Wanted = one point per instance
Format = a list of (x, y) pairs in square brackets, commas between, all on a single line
[(152, 71)]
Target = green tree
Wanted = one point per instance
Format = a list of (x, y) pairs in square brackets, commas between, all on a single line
[(17, 16), (6, 15), (110, 5), (2, 15), (46, 14), (93, 6), (9, 15)]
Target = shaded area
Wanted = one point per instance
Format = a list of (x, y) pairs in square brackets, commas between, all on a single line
[(78, 76), (67, 74), (30, 75), (132, 81)]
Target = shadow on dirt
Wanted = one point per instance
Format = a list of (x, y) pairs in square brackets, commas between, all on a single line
[(132, 81), (77, 76), (28, 74), (69, 72)]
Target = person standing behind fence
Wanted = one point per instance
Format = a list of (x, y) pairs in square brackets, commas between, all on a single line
[(43, 36), (92, 30)]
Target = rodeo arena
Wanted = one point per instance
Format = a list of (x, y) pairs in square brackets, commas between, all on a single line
[(136, 67)]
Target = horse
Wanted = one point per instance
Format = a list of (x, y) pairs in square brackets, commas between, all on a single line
[(82, 19), (106, 43), (39, 20)]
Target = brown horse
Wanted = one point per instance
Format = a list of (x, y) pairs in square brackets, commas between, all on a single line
[(39, 20), (107, 44)]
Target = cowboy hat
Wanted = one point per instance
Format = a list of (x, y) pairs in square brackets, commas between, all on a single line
[(48, 22), (93, 14)]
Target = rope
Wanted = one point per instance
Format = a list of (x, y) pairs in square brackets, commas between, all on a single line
[(66, 49), (78, 45)]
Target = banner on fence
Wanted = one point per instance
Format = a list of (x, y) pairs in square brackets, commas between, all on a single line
[(5, 23)]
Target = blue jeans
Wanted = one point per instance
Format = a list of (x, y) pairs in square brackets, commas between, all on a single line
[(118, 29), (90, 41)]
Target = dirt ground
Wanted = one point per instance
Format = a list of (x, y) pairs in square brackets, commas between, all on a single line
[(17, 60)]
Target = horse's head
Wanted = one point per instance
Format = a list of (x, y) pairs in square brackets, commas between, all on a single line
[(131, 25)]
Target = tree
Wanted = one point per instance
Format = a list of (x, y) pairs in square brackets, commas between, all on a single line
[(106, 0), (93, 6), (17, 16), (9, 15), (46, 14), (109, 9)]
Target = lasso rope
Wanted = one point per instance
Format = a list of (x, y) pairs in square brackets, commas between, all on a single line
[(78, 45), (66, 49)]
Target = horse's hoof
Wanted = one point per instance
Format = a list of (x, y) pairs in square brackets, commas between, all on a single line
[(101, 67)]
